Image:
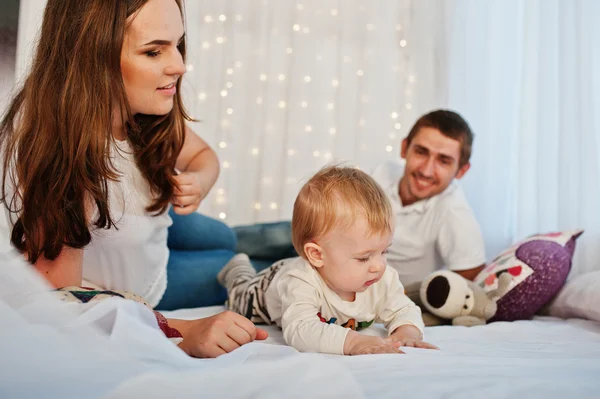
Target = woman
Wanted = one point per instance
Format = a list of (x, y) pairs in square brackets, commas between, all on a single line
[(97, 148)]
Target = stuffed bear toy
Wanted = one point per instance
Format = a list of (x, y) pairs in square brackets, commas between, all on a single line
[(449, 296)]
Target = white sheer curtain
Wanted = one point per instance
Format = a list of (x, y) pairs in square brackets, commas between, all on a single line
[(526, 74), (285, 87)]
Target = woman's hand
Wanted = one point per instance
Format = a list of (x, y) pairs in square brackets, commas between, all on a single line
[(216, 335), (189, 193)]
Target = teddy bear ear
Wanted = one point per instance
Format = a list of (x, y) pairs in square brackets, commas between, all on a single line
[(437, 291)]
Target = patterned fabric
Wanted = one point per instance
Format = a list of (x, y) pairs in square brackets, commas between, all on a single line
[(247, 296), (85, 294), (538, 265)]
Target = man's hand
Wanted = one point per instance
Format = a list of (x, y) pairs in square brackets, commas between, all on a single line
[(189, 193), (358, 344), (216, 335), (409, 335)]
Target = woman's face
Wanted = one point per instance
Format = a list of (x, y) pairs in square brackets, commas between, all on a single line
[(151, 62)]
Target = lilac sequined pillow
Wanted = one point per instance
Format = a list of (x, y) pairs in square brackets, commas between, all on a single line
[(539, 266)]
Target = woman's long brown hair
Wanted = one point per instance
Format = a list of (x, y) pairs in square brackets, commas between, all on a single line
[(56, 134)]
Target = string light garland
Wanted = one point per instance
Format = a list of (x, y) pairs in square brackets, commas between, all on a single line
[(272, 95)]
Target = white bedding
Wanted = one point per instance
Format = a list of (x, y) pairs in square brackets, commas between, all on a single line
[(545, 357), (113, 349)]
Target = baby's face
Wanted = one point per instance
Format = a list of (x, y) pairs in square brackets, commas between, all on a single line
[(353, 259)]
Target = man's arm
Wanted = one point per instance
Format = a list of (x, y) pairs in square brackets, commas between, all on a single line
[(460, 243), (470, 274)]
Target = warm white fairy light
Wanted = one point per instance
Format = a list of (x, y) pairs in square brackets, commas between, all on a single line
[(301, 26)]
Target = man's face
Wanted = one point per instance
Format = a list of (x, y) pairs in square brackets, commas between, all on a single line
[(432, 161)]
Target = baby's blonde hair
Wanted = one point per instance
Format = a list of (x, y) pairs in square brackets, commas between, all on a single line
[(333, 198)]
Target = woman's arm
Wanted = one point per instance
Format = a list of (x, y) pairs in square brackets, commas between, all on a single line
[(66, 270), (199, 167)]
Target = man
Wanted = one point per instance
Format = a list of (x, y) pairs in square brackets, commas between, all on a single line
[(435, 226)]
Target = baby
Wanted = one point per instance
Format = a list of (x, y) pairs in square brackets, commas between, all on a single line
[(341, 226)]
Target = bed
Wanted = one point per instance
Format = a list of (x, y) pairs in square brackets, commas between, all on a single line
[(113, 348), (545, 357)]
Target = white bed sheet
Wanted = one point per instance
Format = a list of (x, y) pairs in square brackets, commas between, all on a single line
[(114, 349), (545, 357)]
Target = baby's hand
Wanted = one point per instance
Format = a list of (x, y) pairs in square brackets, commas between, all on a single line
[(408, 335), (357, 344)]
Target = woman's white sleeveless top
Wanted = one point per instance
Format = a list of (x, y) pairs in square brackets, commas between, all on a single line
[(134, 255)]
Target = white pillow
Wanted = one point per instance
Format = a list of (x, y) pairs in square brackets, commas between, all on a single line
[(579, 298)]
